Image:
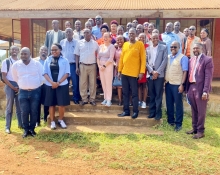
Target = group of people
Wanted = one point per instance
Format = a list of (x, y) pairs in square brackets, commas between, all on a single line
[(140, 58)]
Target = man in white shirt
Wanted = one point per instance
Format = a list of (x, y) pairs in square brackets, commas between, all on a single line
[(78, 33), (156, 65), (28, 74), (11, 89), (85, 53)]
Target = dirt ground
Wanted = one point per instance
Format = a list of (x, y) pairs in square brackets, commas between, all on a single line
[(32, 157)]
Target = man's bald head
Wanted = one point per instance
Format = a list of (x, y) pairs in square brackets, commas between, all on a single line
[(25, 49), (25, 55), (169, 27), (175, 43)]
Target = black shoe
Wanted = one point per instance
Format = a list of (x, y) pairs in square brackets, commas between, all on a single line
[(32, 133), (76, 102), (93, 103), (135, 115), (131, 104), (150, 116), (177, 128), (25, 134), (172, 124), (123, 114), (83, 103)]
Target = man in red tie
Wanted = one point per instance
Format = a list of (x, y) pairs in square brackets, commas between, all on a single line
[(198, 88)]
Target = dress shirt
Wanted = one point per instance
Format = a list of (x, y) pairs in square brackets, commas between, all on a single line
[(184, 61), (68, 48), (97, 32), (153, 55), (55, 37), (27, 76), (168, 38), (87, 51), (197, 63), (78, 35), (64, 68), (4, 68)]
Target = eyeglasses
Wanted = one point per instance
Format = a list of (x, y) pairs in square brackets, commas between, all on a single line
[(98, 19), (192, 29), (173, 47)]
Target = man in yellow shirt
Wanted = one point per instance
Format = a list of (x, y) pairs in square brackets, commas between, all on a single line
[(132, 66)]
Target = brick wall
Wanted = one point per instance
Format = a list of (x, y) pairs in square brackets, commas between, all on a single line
[(216, 53)]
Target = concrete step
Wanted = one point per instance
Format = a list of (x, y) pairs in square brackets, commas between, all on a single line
[(114, 108), (104, 129), (106, 119)]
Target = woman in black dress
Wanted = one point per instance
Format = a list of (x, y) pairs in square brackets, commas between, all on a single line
[(56, 72)]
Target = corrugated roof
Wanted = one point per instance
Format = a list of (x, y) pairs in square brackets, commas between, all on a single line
[(107, 4)]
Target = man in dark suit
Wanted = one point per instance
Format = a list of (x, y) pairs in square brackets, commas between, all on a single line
[(198, 88), (53, 36), (156, 65)]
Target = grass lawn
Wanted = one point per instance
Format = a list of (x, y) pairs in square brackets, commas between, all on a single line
[(172, 153)]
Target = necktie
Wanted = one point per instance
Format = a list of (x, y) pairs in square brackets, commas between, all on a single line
[(193, 65)]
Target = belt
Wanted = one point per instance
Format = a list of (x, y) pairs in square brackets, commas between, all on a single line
[(87, 64), (29, 89), (192, 83), (72, 63)]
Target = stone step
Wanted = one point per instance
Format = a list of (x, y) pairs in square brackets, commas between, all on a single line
[(106, 119), (105, 129), (114, 108)]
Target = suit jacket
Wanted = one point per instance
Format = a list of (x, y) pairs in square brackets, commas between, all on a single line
[(203, 75), (49, 38), (160, 61)]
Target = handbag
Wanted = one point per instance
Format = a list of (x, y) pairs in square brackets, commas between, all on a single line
[(116, 82), (144, 79)]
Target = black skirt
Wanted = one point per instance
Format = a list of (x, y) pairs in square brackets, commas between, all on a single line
[(58, 96)]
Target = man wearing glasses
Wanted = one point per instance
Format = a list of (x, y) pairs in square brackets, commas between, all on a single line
[(96, 29), (176, 73), (191, 40)]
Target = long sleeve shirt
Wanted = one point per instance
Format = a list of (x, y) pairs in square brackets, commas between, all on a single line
[(132, 59)]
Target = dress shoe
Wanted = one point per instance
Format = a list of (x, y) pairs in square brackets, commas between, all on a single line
[(83, 103), (172, 124), (32, 133), (150, 116), (177, 128), (135, 115), (93, 103), (199, 135), (8, 131), (131, 104), (76, 102), (191, 132), (25, 134), (123, 114)]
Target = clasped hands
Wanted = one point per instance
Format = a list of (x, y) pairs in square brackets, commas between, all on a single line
[(155, 75), (55, 85)]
